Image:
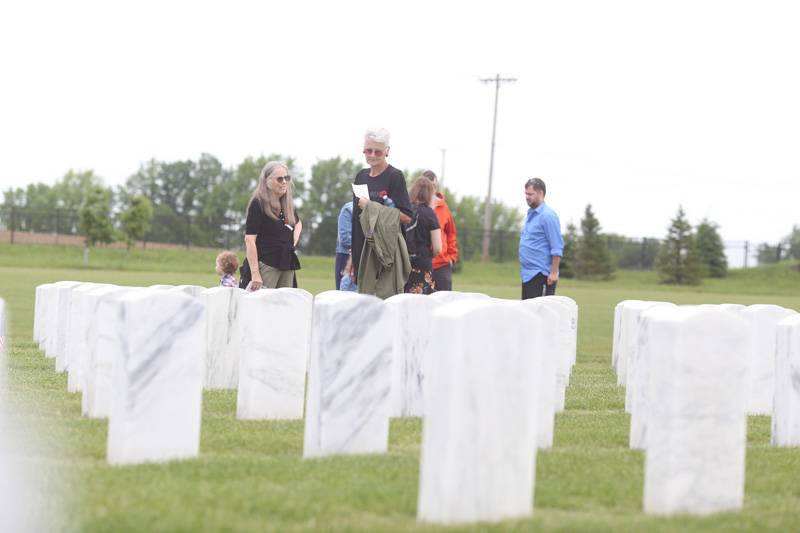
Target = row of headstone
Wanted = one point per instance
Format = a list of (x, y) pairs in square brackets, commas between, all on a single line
[(127, 348), (136, 355), (770, 371), (685, 368), (224, 335), (466, 362), (86, 324), (482, 372)]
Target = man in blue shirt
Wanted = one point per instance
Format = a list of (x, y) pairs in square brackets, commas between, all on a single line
[(343, 239), (540, 244)]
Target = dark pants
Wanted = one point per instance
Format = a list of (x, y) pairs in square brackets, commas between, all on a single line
[(537, 286), (341, 261), (443, 278)]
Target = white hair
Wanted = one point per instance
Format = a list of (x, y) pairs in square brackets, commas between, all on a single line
[(378, 135)]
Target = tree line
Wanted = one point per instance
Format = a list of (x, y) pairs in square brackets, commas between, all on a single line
[(685, 255), (203, 202)]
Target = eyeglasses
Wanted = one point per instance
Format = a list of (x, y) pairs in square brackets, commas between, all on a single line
[(370, 151), (281, 179)]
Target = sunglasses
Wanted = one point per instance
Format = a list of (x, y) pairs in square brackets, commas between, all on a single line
[(281, 179), (370, 151)]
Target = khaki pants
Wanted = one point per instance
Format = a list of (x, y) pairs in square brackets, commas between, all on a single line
[(274, 278)]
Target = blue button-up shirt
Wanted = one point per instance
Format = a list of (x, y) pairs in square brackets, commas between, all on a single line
[(344, 237), (539, 240)]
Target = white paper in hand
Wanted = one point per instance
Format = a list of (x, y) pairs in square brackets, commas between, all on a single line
[(361, 191)]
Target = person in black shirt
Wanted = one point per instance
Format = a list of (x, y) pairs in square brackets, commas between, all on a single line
[(272, 229), (424, 238), (385, 184)]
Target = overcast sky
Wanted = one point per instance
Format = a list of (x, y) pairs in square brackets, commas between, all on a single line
[(634, 107)]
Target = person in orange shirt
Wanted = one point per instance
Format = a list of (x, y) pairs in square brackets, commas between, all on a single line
[(443, 263)]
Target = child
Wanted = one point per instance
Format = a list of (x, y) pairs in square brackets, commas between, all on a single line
[(227, 263)]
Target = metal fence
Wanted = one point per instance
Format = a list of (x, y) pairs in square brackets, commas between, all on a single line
[(61, 226)]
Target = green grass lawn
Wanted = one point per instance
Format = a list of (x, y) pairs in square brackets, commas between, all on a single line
[(251, 477)]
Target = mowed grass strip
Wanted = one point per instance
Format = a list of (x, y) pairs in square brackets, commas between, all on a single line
[(251, 476)]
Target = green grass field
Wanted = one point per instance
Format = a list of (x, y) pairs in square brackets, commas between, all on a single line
[(251, 477)]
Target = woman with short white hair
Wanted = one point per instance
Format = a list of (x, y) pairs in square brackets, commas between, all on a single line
[(385, 184), (272, 229)]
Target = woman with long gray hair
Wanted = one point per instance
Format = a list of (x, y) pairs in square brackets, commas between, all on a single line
[(272, 229)]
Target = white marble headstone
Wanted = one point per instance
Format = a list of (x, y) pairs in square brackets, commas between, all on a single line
[(452, 296), (637, 393), (695, 453), (349, 378), (733, 307), (628, 336), (47, 293), (411, 337), (63, 323), (275, 347), (572, 305), (548, 363), (76, 336), (52, 318), (616, 339), (478, 456), (763, 320), (635, 363), (786, 411), (38, 312), (222, 336), (192, 290), (49, 316), (158, 378), (102, 348), (563, 337)]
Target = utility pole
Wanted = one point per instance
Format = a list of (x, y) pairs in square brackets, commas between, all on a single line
[(441, 174), (487, 212)]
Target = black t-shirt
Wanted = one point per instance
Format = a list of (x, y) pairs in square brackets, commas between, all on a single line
[(274, 239), (393, 183), (426, 221)]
